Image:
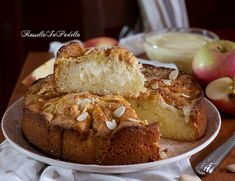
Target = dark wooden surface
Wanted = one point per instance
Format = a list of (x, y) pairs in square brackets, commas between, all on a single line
[(34, 59)]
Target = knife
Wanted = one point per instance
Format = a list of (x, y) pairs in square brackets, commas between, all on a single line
[(212, 161)]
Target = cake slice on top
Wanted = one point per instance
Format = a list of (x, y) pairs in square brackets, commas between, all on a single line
[(98, 71)]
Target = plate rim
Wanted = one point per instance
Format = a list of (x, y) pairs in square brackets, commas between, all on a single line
[(110, 168)]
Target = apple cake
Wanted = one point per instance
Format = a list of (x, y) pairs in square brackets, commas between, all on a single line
[(85, 128), (101, 107)]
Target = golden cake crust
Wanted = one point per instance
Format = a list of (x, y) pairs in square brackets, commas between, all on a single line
[(131, 144), (76, 50), (87, 141), (73, 49)]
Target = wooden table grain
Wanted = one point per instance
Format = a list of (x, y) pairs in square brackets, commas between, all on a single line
[(34, 59)]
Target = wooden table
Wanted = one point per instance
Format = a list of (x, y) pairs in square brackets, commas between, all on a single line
[(35, 59)]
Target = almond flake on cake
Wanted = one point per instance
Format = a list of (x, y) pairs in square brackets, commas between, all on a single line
[(111, 124), (173, 75), (83, 116), (119, 111)]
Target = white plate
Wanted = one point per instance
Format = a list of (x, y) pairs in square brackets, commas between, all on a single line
[(11, 126)]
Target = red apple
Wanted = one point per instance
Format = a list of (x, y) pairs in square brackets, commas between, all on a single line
[(222, 93), (214, 60), (100, 42)]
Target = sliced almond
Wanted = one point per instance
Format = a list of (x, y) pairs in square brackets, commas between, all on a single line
[(185, 95), (84, 101), (89, 51), (83, 116), (155, 86), (133, 120), (174, 74), (167, 82), (119, 111), (231, 168), (189, 178), (111, 124)]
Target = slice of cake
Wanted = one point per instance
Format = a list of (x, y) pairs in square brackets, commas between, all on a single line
[(98, 71), (86, 128)]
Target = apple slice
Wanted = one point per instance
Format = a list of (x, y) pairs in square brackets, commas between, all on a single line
[(40, 72), (219, 88), (222, 93)]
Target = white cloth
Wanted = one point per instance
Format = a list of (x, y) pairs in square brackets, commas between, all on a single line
[(133, 43), (15, 166), (157, 14)]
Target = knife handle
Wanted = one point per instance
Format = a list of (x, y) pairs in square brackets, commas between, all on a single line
[(209, 164)]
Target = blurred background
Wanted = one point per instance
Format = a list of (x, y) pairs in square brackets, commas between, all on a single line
[(92, 18)]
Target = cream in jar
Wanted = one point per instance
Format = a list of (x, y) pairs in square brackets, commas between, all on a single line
[(174, 47)]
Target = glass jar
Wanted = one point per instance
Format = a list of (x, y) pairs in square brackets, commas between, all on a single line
[(176, 45)]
